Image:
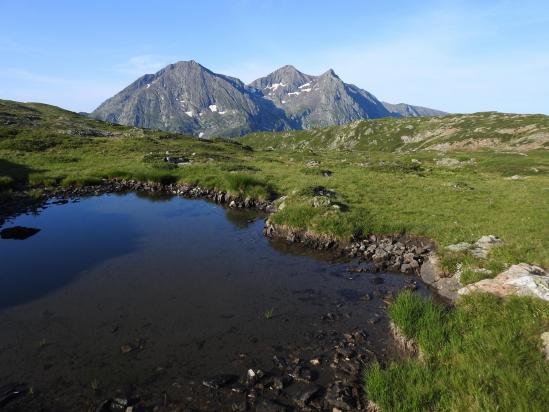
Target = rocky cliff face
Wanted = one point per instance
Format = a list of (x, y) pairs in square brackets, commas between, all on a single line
[(188, 98)]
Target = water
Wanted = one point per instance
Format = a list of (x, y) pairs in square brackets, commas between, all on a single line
[(185, 286)]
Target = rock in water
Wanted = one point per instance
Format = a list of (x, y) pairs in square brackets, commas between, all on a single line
[(219, 381), (18, 232)]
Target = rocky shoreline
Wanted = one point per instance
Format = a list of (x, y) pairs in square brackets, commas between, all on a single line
[(396, 253)]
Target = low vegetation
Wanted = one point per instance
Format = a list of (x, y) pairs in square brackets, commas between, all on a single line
[(484, 355), (452, 179)]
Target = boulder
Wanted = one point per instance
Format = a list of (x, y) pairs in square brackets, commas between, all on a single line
[(519, 280)]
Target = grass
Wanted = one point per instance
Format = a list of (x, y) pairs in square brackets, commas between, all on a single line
[(383, 177), (484, 355), (268, 314)]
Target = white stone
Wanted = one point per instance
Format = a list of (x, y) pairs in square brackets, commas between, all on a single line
[(519, 280), (545, 344)]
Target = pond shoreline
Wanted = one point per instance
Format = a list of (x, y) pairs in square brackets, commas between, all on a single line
[(413, 255)]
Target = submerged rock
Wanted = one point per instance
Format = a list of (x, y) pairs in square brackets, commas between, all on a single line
[(11, 392), (219, 381)]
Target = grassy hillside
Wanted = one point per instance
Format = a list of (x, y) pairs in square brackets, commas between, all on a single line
[(452, 179), (471, 132)]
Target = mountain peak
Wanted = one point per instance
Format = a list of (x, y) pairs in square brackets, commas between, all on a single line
[(330, 73)]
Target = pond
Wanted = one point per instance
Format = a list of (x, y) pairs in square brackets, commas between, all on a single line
[(124, 300)]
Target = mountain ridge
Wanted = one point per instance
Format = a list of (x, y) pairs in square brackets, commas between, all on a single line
[(187, 97)]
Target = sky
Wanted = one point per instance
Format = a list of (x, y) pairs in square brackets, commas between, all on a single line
[(457, 56)]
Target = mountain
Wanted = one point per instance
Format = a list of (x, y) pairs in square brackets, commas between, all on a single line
[(186, 97), (317, 101), (407, 110)]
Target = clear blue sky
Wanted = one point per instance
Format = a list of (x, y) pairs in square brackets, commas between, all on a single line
[(458, 56)]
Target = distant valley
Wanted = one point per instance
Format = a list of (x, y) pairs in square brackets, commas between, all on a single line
[(188, 98)]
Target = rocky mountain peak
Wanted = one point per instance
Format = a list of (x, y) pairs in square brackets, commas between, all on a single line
[(189, 98)]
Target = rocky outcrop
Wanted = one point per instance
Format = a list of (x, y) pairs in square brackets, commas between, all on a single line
[(519, 280)]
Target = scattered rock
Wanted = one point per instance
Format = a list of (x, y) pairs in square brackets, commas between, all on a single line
[(519, 280)]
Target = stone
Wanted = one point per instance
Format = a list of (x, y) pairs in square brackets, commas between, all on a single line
[(308, 393), (219, 381), (127, 348), (519, 280), (545, 344), (459, 247)]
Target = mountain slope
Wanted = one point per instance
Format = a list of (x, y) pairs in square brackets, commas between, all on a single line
[(407, 110), (188, 98), (471, 132)]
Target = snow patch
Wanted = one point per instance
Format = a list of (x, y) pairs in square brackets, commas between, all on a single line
[(276, 86), (148, 85), (294, 93), (223, 112), (200, 134), (304, 85), (306, 90), (213, 107), (189, 113), (283, 101)]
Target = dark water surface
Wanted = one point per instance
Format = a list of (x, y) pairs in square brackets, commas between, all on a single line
[(183, 285)]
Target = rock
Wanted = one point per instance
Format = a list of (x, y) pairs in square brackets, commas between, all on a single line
[(448, 162), (307, 394), (459, 247), (127, 348), (519, 280), (232, 204), (321, 201), (280, 362), (545, 344), (313, 163), (219, 381), (266, 405), (18, 232), (11, 392), (340, 397)]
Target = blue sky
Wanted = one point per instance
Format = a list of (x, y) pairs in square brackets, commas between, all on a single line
[(458, 56)]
